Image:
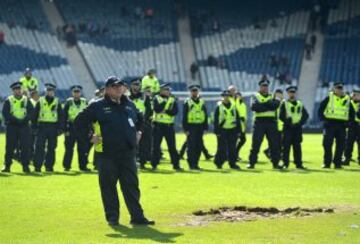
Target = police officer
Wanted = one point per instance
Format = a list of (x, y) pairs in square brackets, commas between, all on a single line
[(142, 102), (47, 123), (264, 106), (242, 111), (204, 150), (73, 106), (335, 111), (150, 80), (353, 134), (194, 123), (17, 111), (227, 129), (165, 109), (29, 82), (119, 132), (293, 115)]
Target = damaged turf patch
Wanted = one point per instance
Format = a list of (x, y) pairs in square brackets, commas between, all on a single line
[(243, 213)]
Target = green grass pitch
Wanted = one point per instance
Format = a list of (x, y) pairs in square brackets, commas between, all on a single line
[(66, 207)]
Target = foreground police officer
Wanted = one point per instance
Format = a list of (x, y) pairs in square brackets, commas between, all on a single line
[(335, 110), (117, 118), (17, 111), (142, 102), (150, 80), (194, 123), (264, 106), (47, 122), (73, 106), (227, 129), (165, 109), (28, 81), (242, 111), (353, 133), (293, 115)]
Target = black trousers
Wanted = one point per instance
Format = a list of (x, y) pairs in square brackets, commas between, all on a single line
[(82, 149), (159, 132), (241, 143), (331, 133), (226, 147), (292, 137), (353, 135), (194, 142), (203, 148), (17, 136), (46, 136), (121, 168), (268, 129), (144, 149)]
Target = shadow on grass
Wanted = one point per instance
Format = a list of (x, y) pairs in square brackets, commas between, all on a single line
[(143, 233), (351, 170), (5, 175)]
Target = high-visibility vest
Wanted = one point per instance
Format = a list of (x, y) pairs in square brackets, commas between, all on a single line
[(33, 102), (48, 112), (294, 112), (31, 84), (196, 114), (139, 104), (242, 111), (75, 109), (153, 83), (280, 124), (356, 109), (227, 116), (18, 106), (97, 131), (163, 117), (262, 99), (337, 107)]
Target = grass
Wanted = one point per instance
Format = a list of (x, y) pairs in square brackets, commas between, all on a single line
[(66, 207)]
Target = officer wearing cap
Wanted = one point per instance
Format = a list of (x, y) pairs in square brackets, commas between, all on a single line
[(28, 81), (150, 80), (165, 109), (142, 101), (293, 115), (17, 111), (227, 129), (336, 112), (116, 142), (265, 106), (353, 133), (73, 106), (47, 123), (242, 111), (194, 122)]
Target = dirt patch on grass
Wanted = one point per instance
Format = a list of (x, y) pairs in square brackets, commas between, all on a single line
[(243, 213)]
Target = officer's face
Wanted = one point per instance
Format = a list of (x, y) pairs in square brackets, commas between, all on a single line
[(226, 99), (76, 94), (165, 92), (291, 95), (50, 93), (135, 88), (339, 91), (17, 92), (264, 89), (232, 90), (356, 96), (28, 75), (116, 91), (194, 93)]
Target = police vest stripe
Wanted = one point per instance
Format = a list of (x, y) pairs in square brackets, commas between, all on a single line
[(294, 112), (97, 131), (356, 109), (163, 117), (337, 107), (196, 114), (262, 99), (48, 112), (18, 107), (227, 116), (74, 109)]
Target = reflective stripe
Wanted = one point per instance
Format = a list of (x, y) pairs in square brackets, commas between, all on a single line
[(227, 116), (163, 117), (280, 124), (48, 112), (294, 111), (337, 107), (262, 99), (139, 104), (196, 114), (74, 109), (242, 111), (356, 109), (18, 106)]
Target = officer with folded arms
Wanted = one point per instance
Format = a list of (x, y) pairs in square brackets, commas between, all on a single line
[(115, 141), (17, 111)]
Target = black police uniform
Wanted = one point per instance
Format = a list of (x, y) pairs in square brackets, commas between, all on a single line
[(226, 138), (196, 131), (71, 137), (118, 124), (265, 126), (17, 131), (333, 129), (144, 149), (47, 133), (204, 150), (292, 134), (161, 130), (353, 135)]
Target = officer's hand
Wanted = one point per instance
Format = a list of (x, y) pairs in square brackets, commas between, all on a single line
[(138, 136), (95, 139), (67, 133), (239, 135)]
